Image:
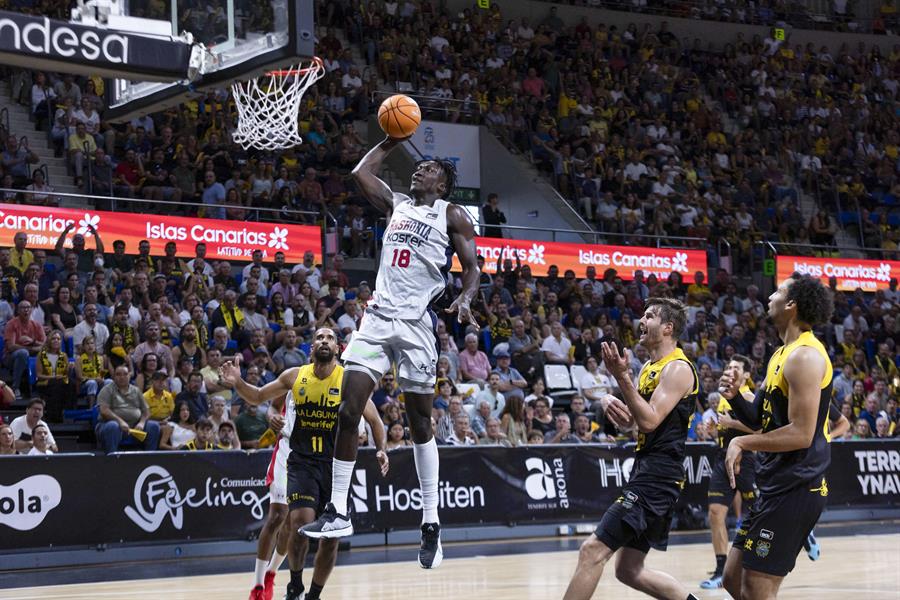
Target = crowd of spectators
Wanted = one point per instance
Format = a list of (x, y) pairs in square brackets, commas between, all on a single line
[(610, 114), (648, 134)]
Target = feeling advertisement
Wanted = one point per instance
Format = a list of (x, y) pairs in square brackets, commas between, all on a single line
[(229, 240), (578, 257)]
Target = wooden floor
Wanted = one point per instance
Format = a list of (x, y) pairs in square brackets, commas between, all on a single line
[(856, 566)]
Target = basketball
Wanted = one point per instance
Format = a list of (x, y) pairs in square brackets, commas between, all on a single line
[(399, 116)]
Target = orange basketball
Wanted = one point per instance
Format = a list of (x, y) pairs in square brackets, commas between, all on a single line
[(399, 116)]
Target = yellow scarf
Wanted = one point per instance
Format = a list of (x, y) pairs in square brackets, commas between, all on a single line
[(202, 334), (127, 334), (92, 366), (62, 367), (238, 317)]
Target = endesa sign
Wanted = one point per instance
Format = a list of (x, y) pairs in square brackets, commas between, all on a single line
[(578, 257), (234, 240), (851, 273)]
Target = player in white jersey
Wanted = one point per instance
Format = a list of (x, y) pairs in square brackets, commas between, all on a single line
[(399, 327), (272, 546)]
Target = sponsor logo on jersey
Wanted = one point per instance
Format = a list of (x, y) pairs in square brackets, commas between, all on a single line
[(334, 391)]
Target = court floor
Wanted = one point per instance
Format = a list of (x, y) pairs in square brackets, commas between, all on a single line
[(851, 566)]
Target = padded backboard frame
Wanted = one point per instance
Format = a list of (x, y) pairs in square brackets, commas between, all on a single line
[(237, 59)]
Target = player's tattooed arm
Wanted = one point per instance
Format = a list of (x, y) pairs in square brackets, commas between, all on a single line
[(365, 174), (462, 234)]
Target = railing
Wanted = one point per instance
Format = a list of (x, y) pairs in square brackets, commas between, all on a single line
[(45, 171), (4, 119), (806, 18), (627, 239), (272, 214)]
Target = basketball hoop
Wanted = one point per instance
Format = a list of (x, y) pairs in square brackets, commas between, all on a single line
[(268, 106)]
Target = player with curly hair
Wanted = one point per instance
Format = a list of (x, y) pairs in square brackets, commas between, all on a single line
[(791, 410)]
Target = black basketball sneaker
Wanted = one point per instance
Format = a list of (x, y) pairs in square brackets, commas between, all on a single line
[(430, 552), (329, 525)]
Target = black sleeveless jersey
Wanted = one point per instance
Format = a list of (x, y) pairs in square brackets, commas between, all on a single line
[(315, 406)]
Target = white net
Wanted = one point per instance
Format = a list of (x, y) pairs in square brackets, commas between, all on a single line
[(268, 107)]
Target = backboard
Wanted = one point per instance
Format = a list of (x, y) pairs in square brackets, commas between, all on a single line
[(245, 37)]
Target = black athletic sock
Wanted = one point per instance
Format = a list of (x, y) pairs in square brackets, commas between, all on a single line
[(720, 564), (692, 597), (314, 590), (297, 581)]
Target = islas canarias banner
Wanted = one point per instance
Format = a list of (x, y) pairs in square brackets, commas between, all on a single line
[(230, 240), (626, 260), (850, 273)]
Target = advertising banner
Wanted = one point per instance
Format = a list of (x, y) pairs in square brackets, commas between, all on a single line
[(624, 259), (851, 273), (85, 500), (864, 473), (41, 41), (229, 240), (457, 143)]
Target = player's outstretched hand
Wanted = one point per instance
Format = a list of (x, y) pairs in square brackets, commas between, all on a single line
[(230, 371), (616, 364), (463, 312), (383, 461), (733, 461)]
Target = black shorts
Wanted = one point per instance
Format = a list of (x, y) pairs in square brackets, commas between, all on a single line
[(308, 483), (641, 517), (720, 490), (773, 533)]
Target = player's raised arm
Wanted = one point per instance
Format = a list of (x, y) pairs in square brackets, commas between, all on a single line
[(366, 175), (231, 372), (675, 381), (462, 234)]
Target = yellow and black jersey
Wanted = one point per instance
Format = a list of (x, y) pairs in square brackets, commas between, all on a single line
[(660, 453), (781, 471), (195, 445), (726, 434), (316, 403)]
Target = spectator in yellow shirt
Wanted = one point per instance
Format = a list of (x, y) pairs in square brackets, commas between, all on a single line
[(19, 256), (159, 399)]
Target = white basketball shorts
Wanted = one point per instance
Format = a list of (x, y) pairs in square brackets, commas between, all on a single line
[(411, 344), (276, 475)]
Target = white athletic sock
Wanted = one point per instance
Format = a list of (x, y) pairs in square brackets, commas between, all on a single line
[(426, 456), (275, 562), (260, 572), (341, 473)]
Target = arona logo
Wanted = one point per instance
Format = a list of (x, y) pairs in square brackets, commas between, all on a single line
[(359, 492), (546, 483), (24, 505), (539, 485)]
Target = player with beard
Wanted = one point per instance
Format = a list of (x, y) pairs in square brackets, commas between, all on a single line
[(660, 406), (312, 422), (721, 495), (792, 449)]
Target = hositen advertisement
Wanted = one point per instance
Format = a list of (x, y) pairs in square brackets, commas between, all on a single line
[(230, 240), (850, 273), (626, 260)]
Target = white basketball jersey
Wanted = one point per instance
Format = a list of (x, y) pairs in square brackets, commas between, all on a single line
[(289, 416), (415, 259)]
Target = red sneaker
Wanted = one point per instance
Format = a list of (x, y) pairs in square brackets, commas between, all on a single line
[(257, 593), (269, 589)]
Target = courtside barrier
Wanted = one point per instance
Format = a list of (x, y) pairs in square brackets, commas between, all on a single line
[(85, 500)]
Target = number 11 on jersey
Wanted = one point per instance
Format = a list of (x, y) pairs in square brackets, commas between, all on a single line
[(318, 444), (401, 258)]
